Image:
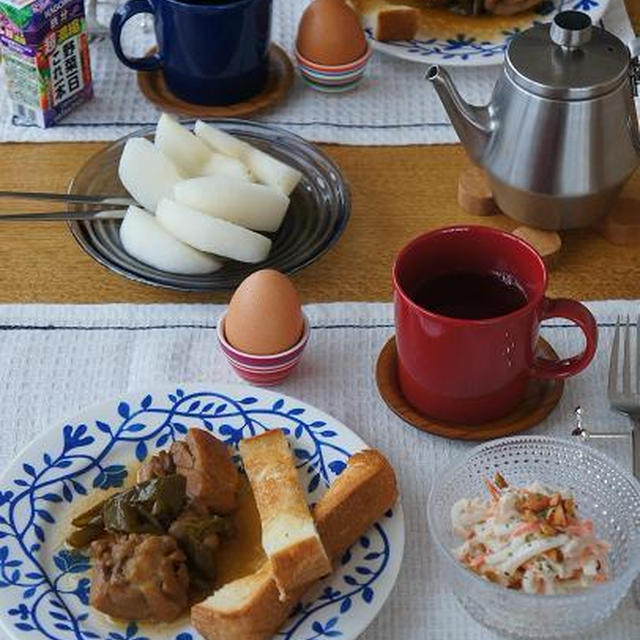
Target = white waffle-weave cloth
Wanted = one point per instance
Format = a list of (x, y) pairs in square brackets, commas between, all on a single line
[(60, 359), (393, 106)]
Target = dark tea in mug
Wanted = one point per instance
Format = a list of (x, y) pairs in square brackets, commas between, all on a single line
[(471, 295)]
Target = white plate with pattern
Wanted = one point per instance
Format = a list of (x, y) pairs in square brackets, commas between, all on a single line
[(453, 39), (44, 587)]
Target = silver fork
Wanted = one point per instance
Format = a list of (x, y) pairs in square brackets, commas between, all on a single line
[(627, 398)]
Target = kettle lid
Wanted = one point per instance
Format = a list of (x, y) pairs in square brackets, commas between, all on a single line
[(570, 59)]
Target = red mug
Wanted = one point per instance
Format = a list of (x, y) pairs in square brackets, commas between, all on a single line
[(473, 371)]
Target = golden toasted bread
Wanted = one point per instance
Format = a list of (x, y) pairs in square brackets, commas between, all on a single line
[(397, 22), (289, 535), (355, 500), (250, 608)]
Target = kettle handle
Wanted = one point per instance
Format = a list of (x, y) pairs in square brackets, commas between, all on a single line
[(634, 50)]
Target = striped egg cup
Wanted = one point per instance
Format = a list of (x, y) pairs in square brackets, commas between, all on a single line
[(263, 370), (333, 79)]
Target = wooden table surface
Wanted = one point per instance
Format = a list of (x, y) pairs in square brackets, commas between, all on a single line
[(398, 192)]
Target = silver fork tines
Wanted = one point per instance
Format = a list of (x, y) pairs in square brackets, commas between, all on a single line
[(613, 364), (638, 355), (624, 398), (626, 362)]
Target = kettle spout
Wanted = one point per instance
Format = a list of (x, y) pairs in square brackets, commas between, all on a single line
[(472, 124)]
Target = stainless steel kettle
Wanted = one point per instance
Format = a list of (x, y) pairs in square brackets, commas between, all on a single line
[(560, 136)]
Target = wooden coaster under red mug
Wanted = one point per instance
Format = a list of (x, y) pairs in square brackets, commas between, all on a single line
[(279, 81), (541, 398)]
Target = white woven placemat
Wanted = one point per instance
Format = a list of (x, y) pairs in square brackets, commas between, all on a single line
[(394, 105), (58, 359)]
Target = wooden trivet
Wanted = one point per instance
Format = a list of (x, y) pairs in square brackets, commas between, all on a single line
[(474, 193), (546, 243), (279, 81), (622, 225), (540, 399)]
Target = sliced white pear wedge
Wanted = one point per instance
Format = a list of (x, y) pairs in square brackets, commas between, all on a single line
[(186, 151), (221, 141), (145, 239), (251, 205), (268, 170), (146, 173), (263, 167), (221, 165), (206, 233)]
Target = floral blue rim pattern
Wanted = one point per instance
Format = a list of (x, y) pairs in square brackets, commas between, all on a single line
[(45, 587), (466, 49)]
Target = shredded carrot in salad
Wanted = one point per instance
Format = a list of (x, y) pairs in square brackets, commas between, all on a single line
[(529, 538)]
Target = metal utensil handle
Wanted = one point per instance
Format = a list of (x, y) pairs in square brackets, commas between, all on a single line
[(62, 216), (106, 201), (633, 436)]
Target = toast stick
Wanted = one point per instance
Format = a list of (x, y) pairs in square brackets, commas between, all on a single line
[(250, 608), (289, 535)]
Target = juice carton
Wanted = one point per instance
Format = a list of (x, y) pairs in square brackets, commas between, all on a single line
[(46, 58)]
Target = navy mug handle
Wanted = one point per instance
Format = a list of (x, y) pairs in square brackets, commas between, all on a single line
[(121, 15)]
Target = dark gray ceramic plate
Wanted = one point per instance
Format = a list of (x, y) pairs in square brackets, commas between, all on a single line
[(318, 213)]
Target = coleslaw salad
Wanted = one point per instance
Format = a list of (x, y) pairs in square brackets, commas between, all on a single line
[(529, 539)]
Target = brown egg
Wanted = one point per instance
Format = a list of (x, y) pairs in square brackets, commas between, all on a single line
[(330, 33), (264, 315)]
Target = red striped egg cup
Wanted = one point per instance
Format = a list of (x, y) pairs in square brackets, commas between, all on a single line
[(264, 370)]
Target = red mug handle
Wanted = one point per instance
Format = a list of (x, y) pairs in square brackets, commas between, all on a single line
[(578, 313)]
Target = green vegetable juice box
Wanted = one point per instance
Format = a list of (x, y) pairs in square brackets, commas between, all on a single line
[(46, 58)]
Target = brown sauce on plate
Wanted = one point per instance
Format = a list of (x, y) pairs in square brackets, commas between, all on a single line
[(242, 554)]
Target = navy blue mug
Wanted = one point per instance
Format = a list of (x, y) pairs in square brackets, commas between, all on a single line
[(212, 53)]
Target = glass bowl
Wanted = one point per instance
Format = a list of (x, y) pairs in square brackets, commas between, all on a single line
[(603, 491), (317, 215)]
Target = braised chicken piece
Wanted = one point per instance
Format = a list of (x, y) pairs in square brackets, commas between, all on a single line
[(180, 530), (158, 466), (139, 577), (199, 535), (212, 479), (154, 544)]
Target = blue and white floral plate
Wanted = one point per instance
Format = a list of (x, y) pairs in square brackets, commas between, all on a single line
[(44, 587), (455, 40)]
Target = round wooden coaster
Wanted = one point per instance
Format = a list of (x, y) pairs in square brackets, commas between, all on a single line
[(541, 398), (279, 81)]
